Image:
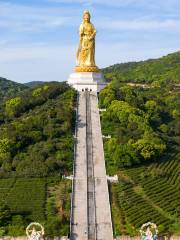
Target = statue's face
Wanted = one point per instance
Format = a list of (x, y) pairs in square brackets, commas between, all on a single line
[(86, 17)]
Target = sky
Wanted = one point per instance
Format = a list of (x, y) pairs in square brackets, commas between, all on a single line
[(39, 38)]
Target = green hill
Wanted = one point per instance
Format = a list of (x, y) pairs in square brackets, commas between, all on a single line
[(144, 124), (9, 88), (36, 149), (34, 83), (162, 70)]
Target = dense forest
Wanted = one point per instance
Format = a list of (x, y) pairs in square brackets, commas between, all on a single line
[(144, 124), (154, 71), (36, 150)]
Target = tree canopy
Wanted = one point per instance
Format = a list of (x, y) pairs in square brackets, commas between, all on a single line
[(36, 127)]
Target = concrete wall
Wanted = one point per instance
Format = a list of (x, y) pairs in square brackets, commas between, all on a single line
[(139, 238), (118, 238), (25, 238)]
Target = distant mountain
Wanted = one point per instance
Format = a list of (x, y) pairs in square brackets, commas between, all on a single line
[(9, 88), (163, 70), (34, 83)]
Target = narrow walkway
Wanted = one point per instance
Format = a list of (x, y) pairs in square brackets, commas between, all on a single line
[(103, 211), (79, 225), (90, 214), (91, 203)]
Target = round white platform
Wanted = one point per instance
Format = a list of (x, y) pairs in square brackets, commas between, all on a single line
[(90, 81)]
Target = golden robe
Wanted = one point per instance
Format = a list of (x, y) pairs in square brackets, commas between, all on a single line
[(86, 50)]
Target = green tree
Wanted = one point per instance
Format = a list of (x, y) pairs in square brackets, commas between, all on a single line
[(107, 95), (37, 92), (11, 105), (149, 146), (2, 231), (5, 215), (122, 155), (5, 147)]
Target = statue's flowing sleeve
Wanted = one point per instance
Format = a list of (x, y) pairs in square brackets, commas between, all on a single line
[(80, 42), (94, 30)]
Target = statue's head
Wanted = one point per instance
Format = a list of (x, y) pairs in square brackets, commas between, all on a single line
[(86, 16)]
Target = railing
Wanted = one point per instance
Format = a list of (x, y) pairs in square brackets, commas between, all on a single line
[(90, 164), (94, 188), (92, 230), (74, 166)]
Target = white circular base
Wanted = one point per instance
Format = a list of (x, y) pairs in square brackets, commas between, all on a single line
[(90, 81)]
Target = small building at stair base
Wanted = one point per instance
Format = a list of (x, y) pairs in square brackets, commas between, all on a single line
[(87, 81)]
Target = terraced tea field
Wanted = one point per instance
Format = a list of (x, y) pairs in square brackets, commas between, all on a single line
[(45, 200), (147, 193)]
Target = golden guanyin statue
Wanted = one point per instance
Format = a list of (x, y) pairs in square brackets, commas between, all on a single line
[(86, 50)]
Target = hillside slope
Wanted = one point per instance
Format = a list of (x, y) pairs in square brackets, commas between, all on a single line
[(144, 124), (35, 127), (9, 88), (36, 150), (162, 70)]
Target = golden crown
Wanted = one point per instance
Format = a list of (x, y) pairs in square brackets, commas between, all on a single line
[(86, 12)]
